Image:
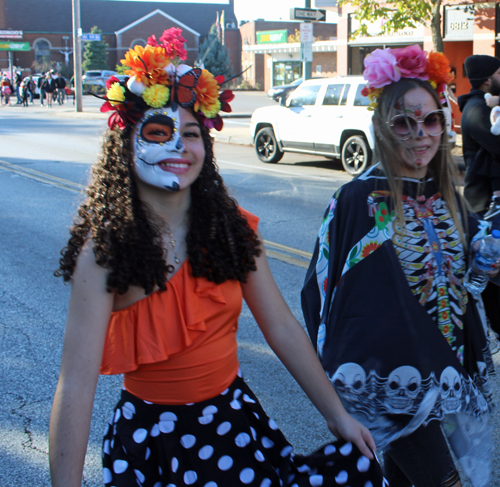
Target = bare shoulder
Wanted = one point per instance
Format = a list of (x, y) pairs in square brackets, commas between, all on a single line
[(87, 270)]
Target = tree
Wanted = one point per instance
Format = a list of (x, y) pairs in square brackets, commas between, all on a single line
[(95, 55), (214, 56), (399, 14), (293, 38)]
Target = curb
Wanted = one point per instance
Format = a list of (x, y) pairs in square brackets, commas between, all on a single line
[(236, 115), (229, 139)]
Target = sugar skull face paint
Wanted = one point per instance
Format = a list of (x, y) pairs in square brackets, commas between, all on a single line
[(157, 145)]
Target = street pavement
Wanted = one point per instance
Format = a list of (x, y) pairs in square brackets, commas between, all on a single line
[(32, 334)]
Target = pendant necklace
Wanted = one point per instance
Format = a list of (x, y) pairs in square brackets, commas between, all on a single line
[(172, 241), (172, 244)]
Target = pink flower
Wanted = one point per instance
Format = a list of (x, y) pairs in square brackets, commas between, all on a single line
[(381, 68), (412, 62), (173, 43)]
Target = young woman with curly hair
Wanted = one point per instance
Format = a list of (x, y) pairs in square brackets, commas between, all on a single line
[(159, 260)]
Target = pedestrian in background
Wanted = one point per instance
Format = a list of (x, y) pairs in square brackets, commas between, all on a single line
[(49, 87), (160, 258), (31, 88), (481, 151), (6, 90), (24, 92), (384, 298), (41, 81), (18, 82)]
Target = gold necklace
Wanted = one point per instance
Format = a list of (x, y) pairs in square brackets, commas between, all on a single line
[(172, 243)]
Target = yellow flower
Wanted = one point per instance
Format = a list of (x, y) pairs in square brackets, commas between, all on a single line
[(116, 94), (207, 95), (156, 96), (212, 110)]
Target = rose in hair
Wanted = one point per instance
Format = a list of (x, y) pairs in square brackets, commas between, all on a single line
[(412, 62), (381, 68)]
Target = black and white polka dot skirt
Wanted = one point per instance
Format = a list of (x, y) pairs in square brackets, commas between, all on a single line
[(227, 441)]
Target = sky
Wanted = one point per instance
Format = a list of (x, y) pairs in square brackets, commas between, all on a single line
[(269, 9), (259, 9)]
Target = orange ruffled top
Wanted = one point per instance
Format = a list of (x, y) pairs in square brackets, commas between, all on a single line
[(178, 346)]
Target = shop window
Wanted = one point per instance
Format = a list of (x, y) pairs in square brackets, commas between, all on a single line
[(42, 50), (360, 100), (305, 96), (286, 72)]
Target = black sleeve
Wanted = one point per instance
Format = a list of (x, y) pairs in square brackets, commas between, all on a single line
[(480, 130)]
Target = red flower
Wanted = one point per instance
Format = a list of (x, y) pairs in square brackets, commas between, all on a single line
[(369, 248), (210, 123), (225, 97), (125, 113), (364, 91), (110, 81)]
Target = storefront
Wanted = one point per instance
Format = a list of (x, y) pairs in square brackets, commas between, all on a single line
[(361, 46), (286, 72)]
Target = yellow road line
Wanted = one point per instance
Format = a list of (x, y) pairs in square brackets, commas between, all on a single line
[(77, 188)]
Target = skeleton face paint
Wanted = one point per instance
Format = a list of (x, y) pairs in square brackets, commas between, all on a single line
[(158, 148)]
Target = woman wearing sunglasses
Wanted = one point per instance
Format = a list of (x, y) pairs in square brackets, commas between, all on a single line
[(384, 300)]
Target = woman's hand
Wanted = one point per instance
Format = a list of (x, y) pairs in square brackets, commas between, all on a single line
[(292, 346), (495, 267), (351, 430)]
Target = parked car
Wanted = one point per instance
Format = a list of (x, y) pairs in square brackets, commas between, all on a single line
[(326, 117), (96, 79), (276, 92)]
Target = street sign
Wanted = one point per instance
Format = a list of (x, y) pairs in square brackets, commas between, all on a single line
[(310, 14), (306, 32), (306, 52), (14, 46), (91, 37), (11, 34)]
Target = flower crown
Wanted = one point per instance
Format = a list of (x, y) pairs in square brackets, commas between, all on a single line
[(386, 66), (156, 78)]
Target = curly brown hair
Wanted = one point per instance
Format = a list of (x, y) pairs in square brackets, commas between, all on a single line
[(127, 241)]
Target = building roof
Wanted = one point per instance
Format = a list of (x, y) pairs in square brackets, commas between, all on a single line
[(55, 16)]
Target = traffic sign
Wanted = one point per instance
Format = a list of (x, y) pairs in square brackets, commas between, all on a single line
[(310, 14), (306, 52), (14, 46), (91, 37), (306, 32)]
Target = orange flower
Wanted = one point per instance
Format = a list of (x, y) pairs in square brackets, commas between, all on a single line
[(438, 68), (146, 64), (207, 95)]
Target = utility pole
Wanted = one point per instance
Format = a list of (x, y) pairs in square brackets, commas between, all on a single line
[(77, 55), (306, 65)]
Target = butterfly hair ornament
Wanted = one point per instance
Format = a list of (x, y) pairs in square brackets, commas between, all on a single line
[(158, 78), (386, 66)]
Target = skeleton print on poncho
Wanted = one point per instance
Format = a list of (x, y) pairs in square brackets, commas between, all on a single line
[(385, 306)]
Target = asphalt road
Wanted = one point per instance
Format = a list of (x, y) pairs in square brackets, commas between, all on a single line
[(38, 145)]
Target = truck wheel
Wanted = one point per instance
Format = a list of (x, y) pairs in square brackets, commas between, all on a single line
[(266, 146), (356, 155)]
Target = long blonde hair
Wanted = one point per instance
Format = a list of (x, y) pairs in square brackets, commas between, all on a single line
[(442, 165)]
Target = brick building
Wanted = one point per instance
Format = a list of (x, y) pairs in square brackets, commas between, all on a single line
[(47, 26)]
